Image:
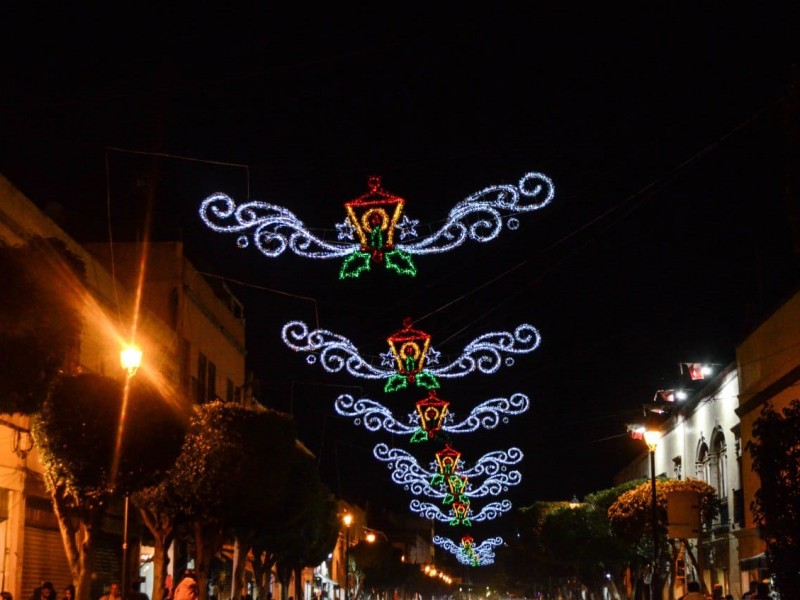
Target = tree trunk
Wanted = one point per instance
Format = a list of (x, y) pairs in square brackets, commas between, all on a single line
[(240, 550), (161, 526), (77, 535), (284, 577), (207, 540), (298, 583), (263, 562)]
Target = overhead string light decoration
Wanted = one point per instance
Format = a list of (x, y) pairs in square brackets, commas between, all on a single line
[(468, 553), (462, 513), (409, 354), (420, 481), (375, 227), (432, 416)]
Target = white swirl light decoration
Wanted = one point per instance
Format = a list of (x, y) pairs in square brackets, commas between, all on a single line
[(336, 352), (485, 353), (493, 463), (491, 511), (272, 228), (375, 416), (407, 472), (483, 553), (534, 191)]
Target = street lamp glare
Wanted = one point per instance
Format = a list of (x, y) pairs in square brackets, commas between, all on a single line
[(131, 359), (370, 537), (348, 519)]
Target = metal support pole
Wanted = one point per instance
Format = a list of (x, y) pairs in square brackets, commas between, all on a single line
[(124, 578), (347, 565), (655, 519)]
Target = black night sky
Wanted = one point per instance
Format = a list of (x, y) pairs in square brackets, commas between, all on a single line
[(671, 137)]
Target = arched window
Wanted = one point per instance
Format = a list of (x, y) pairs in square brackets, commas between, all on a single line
[(701, 460), (718, 463)]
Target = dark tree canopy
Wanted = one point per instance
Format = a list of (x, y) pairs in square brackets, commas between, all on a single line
[(77, 428), (40, 321), (775, 449)]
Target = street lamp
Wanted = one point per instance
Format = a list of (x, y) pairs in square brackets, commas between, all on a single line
[(131, 359), (348, 519), (651, 438)]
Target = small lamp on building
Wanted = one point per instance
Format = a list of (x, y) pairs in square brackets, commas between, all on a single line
[(348, 520)]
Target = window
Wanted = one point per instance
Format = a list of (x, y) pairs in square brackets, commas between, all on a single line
[(718, 463), (229, 391), (701, 461), (186, 365), (212, 381), (202, 377)]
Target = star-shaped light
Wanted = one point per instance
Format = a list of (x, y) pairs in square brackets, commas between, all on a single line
[(433, 356), (387, 359), (407, 227), (345, 230)]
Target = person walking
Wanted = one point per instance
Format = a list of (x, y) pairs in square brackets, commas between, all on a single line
[(187, 589), (69, 592), (114, 592), (693, 592)]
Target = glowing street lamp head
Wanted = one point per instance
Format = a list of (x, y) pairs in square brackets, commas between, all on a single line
[(348, 519), (131, 359), (370, 537), (651, 437)]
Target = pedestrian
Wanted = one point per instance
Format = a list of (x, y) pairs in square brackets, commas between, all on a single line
[(729, 597), (69, 592), (751, 592), (113, 593), (6, 596), (47, 591), (693, 592), (762, 591), (187, 589)]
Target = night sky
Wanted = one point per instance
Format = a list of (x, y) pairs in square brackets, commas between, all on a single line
[(668, 135)]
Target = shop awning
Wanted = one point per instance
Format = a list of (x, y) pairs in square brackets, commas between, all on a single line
[(759, 561)]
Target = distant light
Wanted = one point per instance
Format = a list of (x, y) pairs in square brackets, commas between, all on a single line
[(348, 518), (706, 370), (681, 395), (370, 537)]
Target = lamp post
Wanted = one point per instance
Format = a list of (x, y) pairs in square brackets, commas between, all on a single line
[(348, 519), (131, 359), (651, 437)]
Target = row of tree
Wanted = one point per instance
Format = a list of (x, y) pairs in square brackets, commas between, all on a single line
[(208, 474), (604, 542)]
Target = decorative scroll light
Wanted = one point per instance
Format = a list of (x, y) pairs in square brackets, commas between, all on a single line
[(468, 553), (492, 470), (335, 353), (369, 233), (493, 510), (374, 416)]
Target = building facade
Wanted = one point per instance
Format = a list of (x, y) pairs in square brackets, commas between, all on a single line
[(192, 337), (768, 361), (701, 440)]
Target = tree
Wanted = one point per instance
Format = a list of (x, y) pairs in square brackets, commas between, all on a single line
[(76, 432), (40, 320), (631, 518), (775, 449), (381, 565), (232, 463), (314, 535)]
